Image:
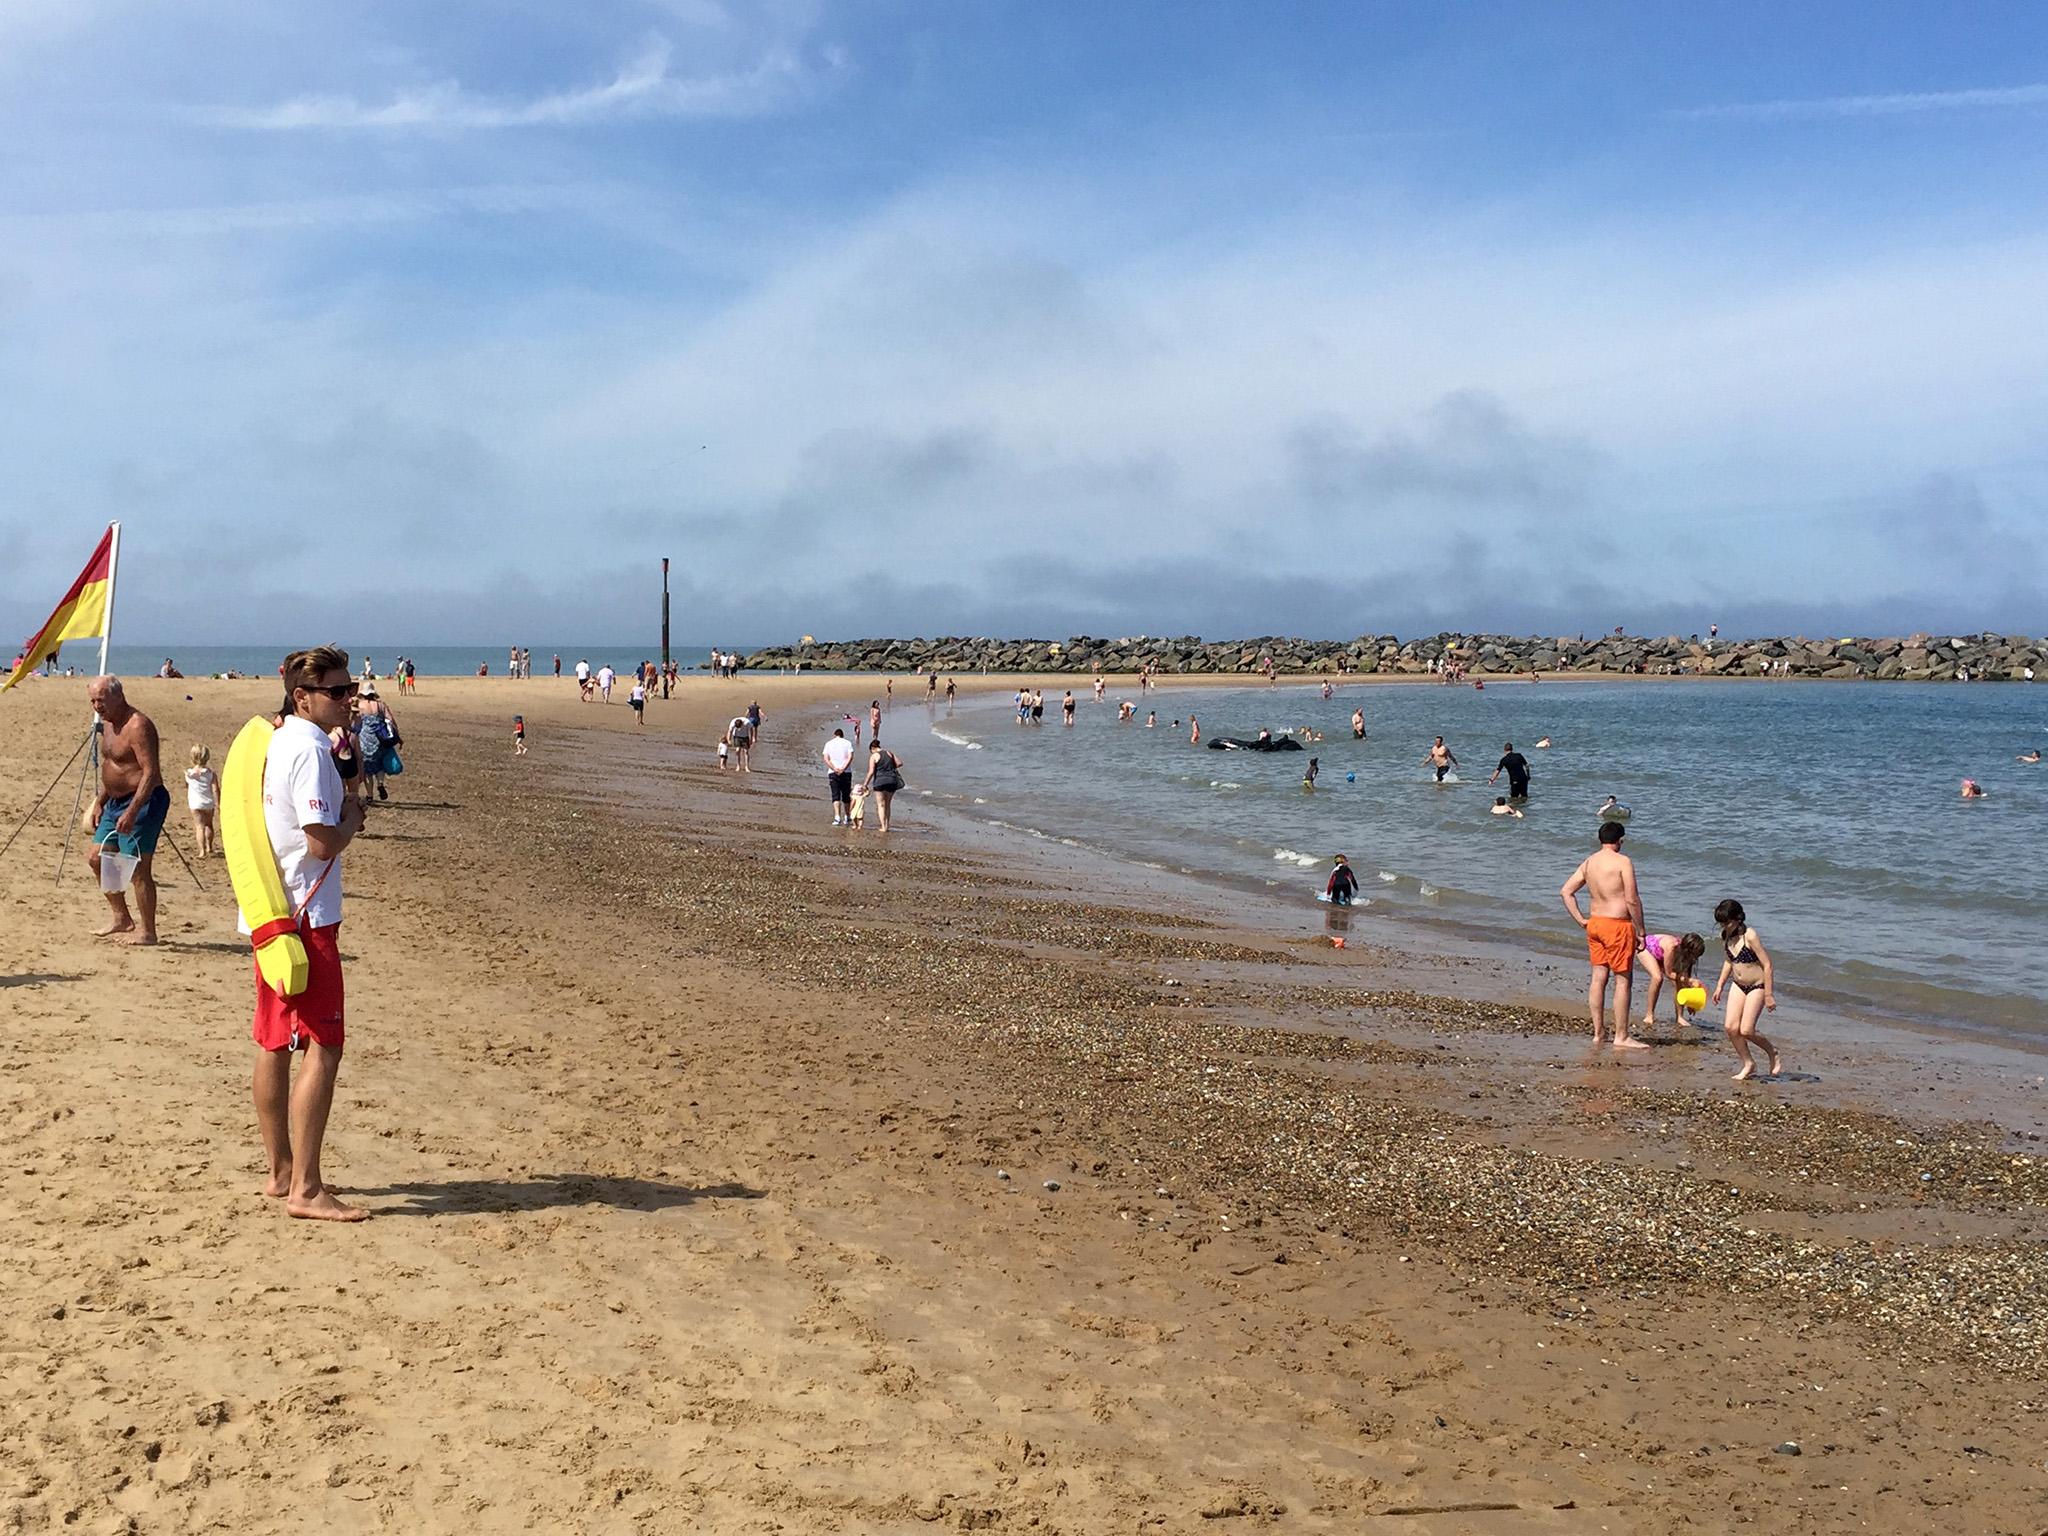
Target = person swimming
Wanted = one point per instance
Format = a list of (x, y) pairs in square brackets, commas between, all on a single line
[(1611, 809), (2030, 757), (1502, 808), (1972, 790), (1544, 742), (1308, 774)]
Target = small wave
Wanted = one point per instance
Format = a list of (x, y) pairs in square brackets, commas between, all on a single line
[(1389, 876), (958, 741), (1305, 860), (1224, 784), (1427, 892), (979, 801)]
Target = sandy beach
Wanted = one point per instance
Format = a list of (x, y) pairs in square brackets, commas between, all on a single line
[(732, 1173)]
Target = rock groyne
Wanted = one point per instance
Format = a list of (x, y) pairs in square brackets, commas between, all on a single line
[(1913, 658)]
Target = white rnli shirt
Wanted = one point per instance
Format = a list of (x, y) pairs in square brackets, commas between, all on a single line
[(302, 788)]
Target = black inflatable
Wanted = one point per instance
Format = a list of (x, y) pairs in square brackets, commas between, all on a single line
[(1238, 744)]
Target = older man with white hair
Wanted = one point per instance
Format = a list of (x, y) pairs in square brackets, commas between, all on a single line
[(128, 812)]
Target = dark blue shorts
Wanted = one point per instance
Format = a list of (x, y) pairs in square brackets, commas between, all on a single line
[(149, 825)]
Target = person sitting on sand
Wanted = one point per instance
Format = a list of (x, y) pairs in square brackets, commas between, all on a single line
[(1342, 888), (1667, 957), (1502, 808)]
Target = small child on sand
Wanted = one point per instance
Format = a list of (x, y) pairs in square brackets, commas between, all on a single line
[(202, 798), (724, 748), (519, 735), (1669, 958)]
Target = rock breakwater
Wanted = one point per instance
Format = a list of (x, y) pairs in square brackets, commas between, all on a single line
[(1985, 657)]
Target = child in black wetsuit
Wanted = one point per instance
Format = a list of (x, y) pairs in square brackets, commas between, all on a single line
[(1343, 884)]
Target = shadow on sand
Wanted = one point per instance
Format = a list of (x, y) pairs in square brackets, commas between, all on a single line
[(548, 1191), (36, 979)]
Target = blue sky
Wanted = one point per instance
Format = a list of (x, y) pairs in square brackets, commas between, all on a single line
[(410, 323)]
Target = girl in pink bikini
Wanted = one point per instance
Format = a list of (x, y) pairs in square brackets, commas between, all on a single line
[(1669, 957)]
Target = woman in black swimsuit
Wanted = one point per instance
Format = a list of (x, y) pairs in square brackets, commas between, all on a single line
[(1747, 978)]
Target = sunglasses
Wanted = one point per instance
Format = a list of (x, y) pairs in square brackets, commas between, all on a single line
[(337, 691)]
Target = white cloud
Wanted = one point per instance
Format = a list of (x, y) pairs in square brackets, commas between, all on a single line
[(1979, 99), (644, 87)]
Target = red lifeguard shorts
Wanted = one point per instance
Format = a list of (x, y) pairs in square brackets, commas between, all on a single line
[(285, 1023)]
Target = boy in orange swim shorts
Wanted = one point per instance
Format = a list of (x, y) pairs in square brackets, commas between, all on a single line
[(1612, 927)]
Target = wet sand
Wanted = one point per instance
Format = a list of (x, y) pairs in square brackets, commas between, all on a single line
[(685, 1120)]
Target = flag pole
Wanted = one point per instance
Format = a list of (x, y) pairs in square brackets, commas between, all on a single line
[(92, 731), (113, 575)]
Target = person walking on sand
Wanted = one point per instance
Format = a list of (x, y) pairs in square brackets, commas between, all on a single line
[(885, 777), (130, 808), (741, 734), (1441, 759), (1609, 879), (310, 821), (202, 799), (838, 755), (1750, 982)]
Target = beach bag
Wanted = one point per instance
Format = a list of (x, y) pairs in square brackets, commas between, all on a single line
[(388, 762), (370, 737)]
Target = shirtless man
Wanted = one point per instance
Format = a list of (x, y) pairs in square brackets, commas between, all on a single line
[(1612, 931), (130, 807), (1358, 725), (1441, 759)]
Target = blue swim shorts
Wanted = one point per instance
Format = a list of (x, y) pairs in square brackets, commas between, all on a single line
[(149, 825)]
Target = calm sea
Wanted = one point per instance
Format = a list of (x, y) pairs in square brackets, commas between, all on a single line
[(1830, 810), (432, 660)]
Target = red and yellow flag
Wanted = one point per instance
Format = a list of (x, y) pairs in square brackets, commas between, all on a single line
[(81, 616)]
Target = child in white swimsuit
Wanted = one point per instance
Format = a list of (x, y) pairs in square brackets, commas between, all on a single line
[(202, 798)]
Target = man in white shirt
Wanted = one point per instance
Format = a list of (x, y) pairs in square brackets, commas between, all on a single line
[(605, 678), (310, 819), (838, 755)]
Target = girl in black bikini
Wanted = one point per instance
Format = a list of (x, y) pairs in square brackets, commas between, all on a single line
[(1747, 978)]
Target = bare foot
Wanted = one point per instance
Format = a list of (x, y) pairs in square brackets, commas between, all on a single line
[(114, 926), (1777, 1066), (277, 1188), (140, 938), (1746, 1073), (323, 1207), (1630, 1043)]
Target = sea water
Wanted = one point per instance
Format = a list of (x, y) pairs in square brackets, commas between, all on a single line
[(1830, 810)]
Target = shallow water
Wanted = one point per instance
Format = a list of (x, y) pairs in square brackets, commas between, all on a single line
[(1830, 810)]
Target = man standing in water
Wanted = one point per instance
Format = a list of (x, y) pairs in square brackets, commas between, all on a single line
[(1516, 767), (1441, 759), (1609, 879), (130, 808)]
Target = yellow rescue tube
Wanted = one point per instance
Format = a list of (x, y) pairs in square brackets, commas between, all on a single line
[(252, 863)]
